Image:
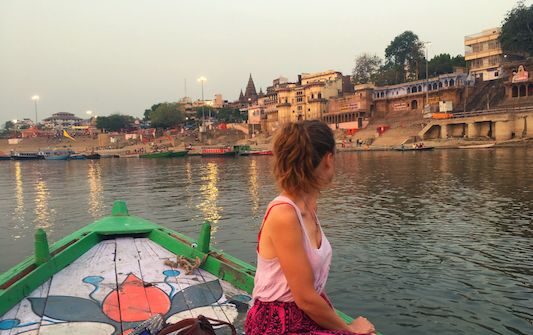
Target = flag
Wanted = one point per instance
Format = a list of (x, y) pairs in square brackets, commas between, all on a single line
[(65, 134)]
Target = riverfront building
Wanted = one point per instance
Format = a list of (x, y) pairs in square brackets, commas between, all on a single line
[(411, 96), (484, 55), (62, 120)]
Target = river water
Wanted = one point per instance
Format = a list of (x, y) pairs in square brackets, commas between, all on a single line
[(424, 243)]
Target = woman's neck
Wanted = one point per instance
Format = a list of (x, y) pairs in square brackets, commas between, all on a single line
[(308, 200)]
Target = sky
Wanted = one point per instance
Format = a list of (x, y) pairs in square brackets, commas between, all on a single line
[(122, 56)]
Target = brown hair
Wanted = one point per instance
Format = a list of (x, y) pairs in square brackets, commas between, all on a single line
[(298, 150)]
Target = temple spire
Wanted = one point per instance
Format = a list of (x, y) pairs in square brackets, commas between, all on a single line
[(250, 92)]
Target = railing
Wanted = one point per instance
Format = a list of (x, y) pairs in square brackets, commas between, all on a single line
[(492, 112)]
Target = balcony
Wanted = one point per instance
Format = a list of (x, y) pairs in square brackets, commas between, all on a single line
[(284, 104), (310, 100)]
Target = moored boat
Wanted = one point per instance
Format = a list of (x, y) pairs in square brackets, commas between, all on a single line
[(77, 157), (56, 155), (4, 157), (93, 155), (414, 149), (111, 275), (26, 156), (260, 153), (223, 151), (477, 146), (181, 153)]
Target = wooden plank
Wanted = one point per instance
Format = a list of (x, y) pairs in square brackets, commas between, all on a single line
[(140, 298), (21, 318), (81, 295)]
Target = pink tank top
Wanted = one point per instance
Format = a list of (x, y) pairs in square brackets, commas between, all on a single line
[(270, 283)]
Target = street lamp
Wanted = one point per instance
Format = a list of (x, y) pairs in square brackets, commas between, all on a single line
[(201, 80), (35, 98)]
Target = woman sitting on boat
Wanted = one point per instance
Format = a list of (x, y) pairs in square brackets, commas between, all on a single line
[(293, 254)]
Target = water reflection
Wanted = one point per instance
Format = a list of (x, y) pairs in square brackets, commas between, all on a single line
[(19, 194), (42, 211), (188, 174), (253, 186), (94, 179), (209, 191)]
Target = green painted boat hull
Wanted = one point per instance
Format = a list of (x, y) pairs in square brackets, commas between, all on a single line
[(19, 281)]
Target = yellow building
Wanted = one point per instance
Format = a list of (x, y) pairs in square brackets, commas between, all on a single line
[(307, 99), (484, 55)]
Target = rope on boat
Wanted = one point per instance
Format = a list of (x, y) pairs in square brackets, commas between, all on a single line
[(187, 264)]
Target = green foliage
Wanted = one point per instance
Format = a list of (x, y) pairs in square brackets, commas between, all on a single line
[(114, 122), (366, 68), (388, 74), (517, 30), (204, 111), (148, 112), (229, 115), (9, 125), (441, 64), (167, 115), (405, 52)]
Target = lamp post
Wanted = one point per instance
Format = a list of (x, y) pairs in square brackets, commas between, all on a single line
[(201, 80), (427, 44), (35, 98)]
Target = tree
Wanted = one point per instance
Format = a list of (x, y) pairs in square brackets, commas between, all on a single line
[(517, 30), (441, 64), (167, 115), (148, 112), (366, 68), (114, 122), (9, 125), (388, 74), (405, 51), (229, 115)]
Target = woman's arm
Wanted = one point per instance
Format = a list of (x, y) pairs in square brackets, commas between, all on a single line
[(285, 237)]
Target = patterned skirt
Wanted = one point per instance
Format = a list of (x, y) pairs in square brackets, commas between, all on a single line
[(283, 318)]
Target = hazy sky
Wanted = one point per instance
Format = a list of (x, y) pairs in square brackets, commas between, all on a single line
[(122, 56)]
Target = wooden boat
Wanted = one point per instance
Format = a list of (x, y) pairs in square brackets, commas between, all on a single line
[(129, 155), (477, 146), (93, 155), (111, 275), (5, 158), (181, 153), (218, 152), (56, 155), (26, 156), (261, 153), (158, 154), (77, 157), (414, 149)]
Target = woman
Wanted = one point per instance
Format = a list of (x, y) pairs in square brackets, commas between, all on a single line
[(293, 254)]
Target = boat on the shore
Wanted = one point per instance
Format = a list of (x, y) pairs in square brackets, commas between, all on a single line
[(260, 153), (414, 149), (56, 155), (221, 151), (477, 146), (77, 157), (113, 274), (4, 157), (164, 154), (26, 156)]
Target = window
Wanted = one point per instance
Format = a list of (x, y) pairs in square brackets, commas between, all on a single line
[(299, 108), (319, 96), (452, 82), (414, 104)]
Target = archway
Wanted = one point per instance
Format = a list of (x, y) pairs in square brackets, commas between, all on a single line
[(435, 86), (440, 84), (514, 93), (530, 90), (452, 82), (414, 104)]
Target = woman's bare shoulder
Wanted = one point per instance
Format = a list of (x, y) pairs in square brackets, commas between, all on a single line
[(282, 216)]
